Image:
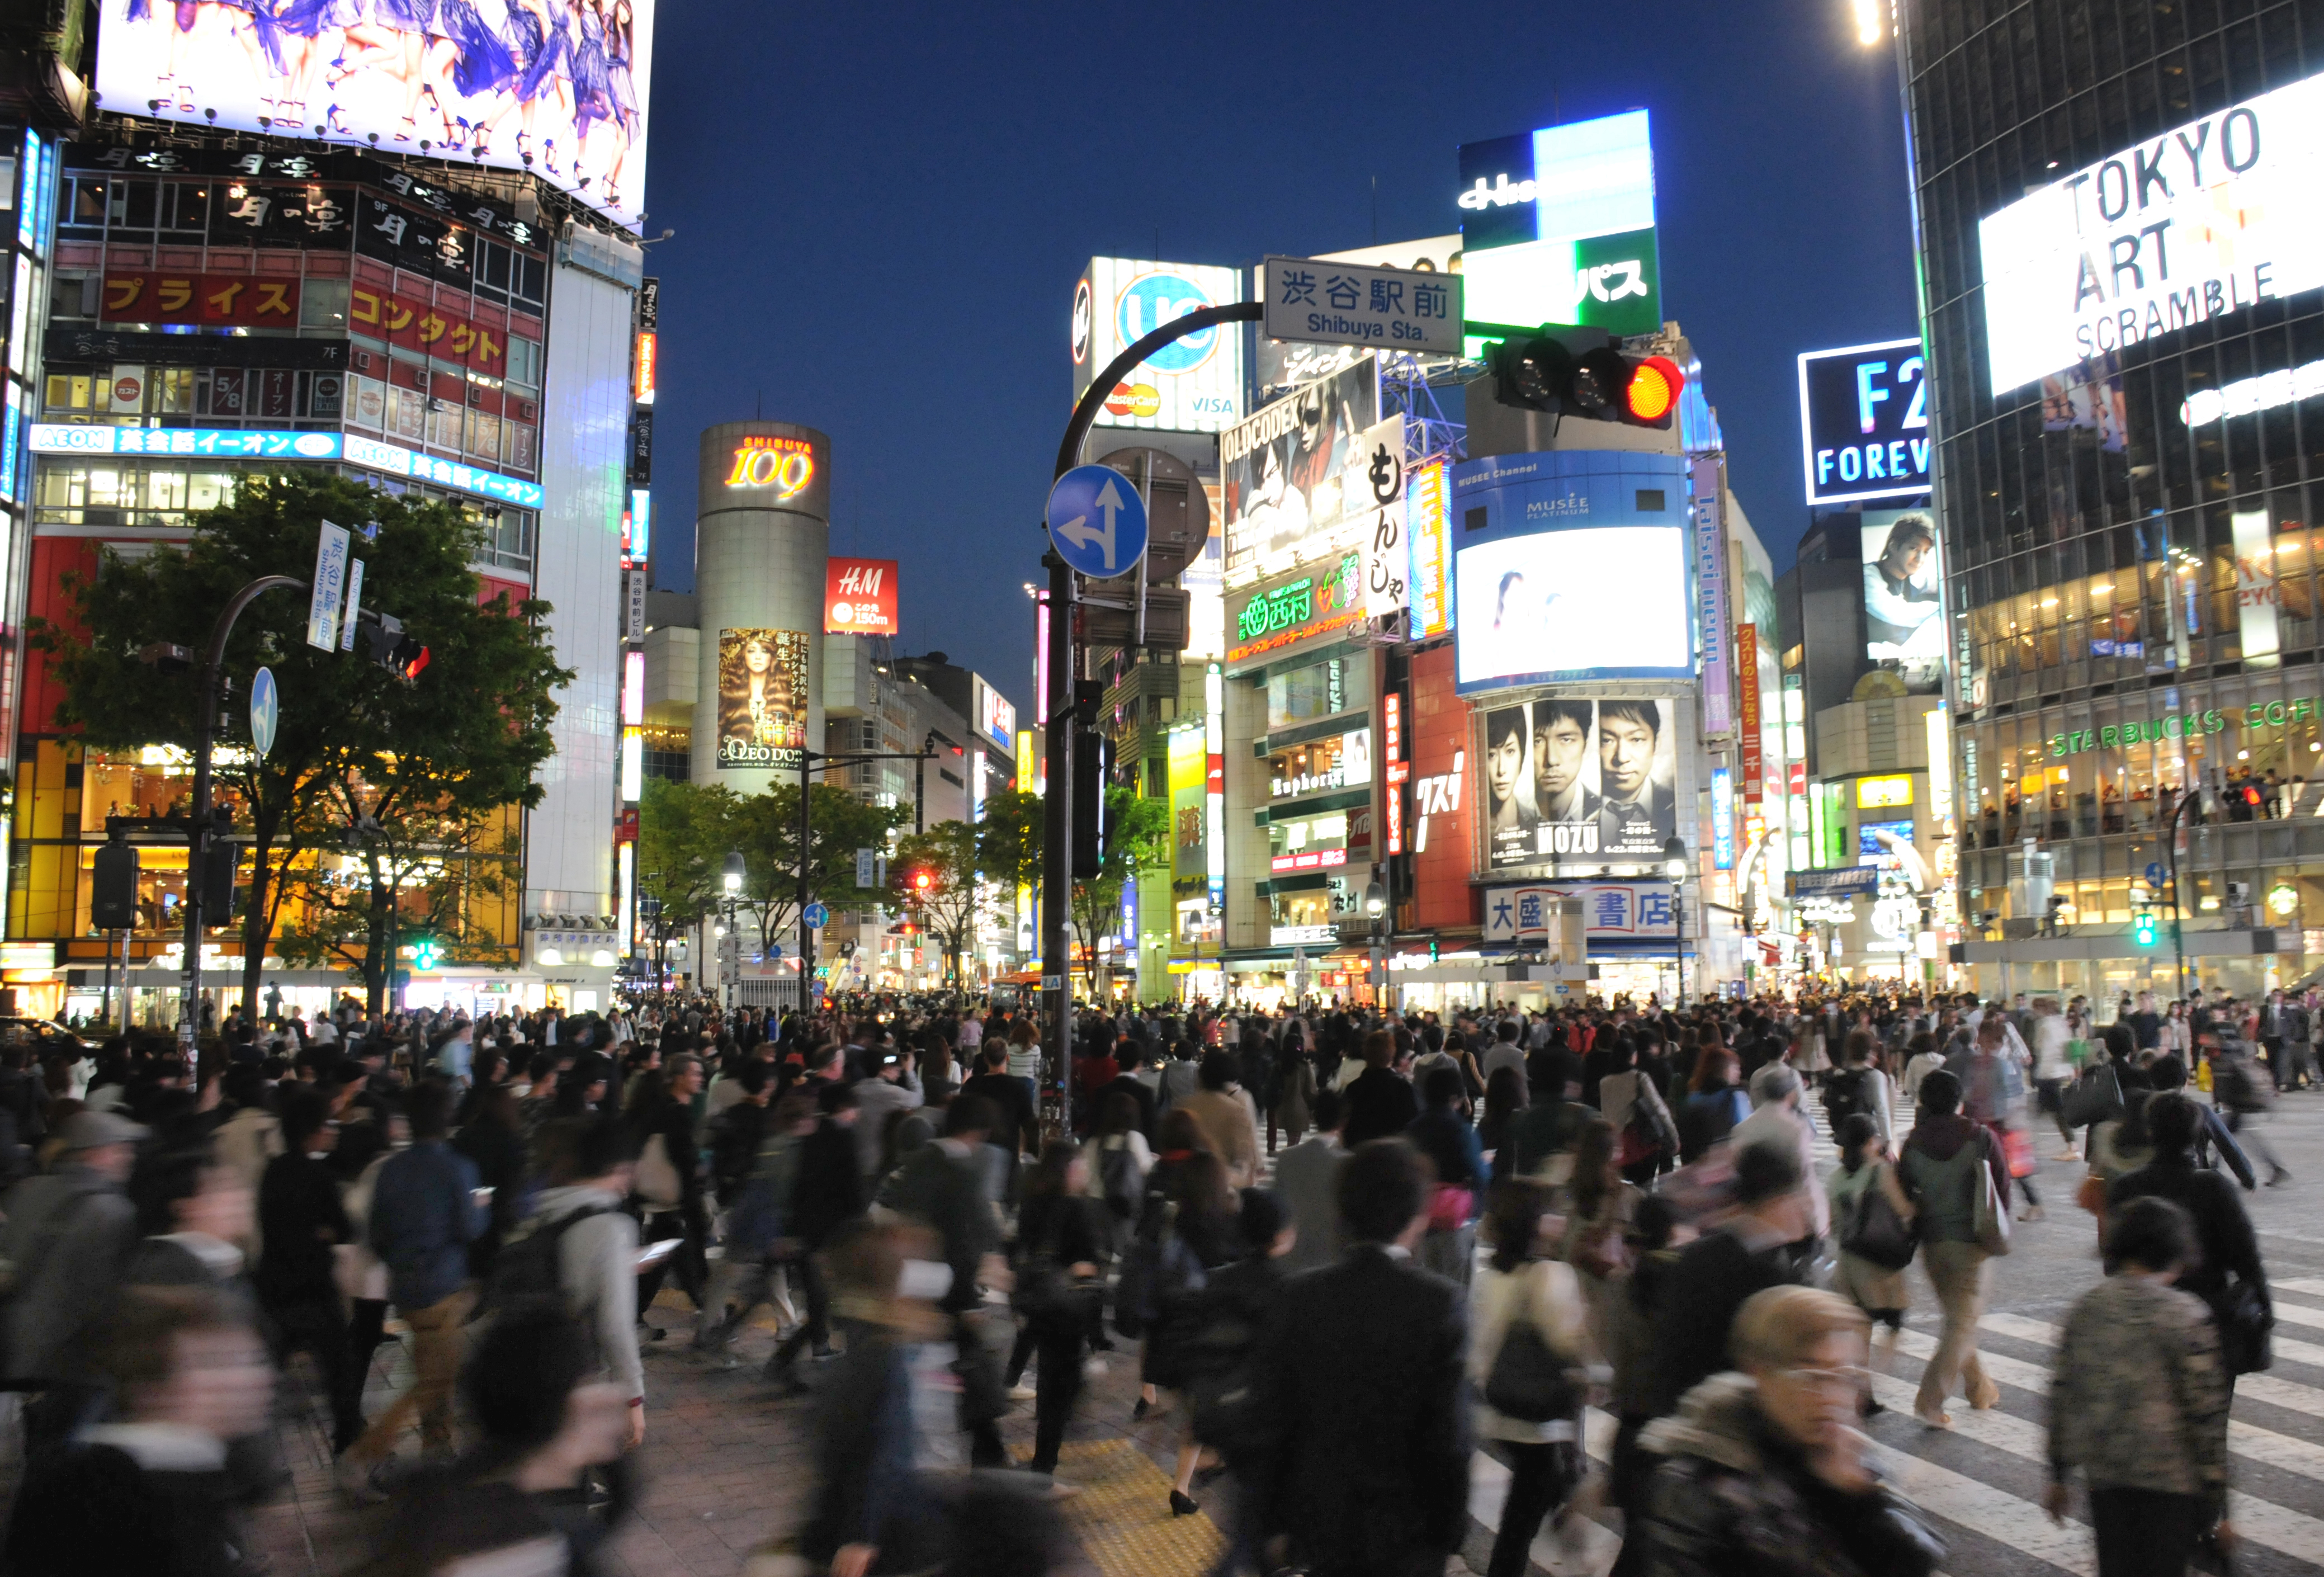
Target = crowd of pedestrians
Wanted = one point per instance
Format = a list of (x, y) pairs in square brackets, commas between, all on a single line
[(1342, 1251)]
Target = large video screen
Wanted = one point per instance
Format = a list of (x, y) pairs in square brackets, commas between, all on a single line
[(562, 83), (1579, 779), (1593, 602)]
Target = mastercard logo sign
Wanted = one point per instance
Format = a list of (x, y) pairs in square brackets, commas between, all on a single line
[(1140, 400)]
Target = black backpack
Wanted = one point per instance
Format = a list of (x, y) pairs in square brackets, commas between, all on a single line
[(1123, 1183), (1843, 1098), (528, 1276)]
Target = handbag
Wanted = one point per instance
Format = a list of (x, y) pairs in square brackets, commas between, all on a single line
[(1992, 1217), (1529, 1381), (2246, 1320), (2096, 1097), (1877, 1233), (2091, 1194), (657, 1180), (2017, 1151)]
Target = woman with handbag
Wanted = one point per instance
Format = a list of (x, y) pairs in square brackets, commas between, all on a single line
[(2139, 1404), (2225, 1272), (1876, 1240), (1597, 1205), (1953, 1170), (1649, 1136), (1525, 1354)]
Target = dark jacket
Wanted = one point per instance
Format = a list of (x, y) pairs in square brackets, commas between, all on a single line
[(423, 1218), (947, 1195), (1705, 1118), (88, 1510), (1018, 1129), (863, 1459), (1368, 1474), (2224, 1243), (1380, 1105), (1134, 1087), (1712, 1279), (1734, 1499), (1547, 1128), (1450, 1145), (299, 1218), (827, 1191)]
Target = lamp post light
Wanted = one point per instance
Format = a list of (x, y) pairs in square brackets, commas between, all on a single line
[(730, 956), (1375, 909), (1675, 867)]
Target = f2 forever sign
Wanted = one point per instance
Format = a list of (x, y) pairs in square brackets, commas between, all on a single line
[(1864, 422)]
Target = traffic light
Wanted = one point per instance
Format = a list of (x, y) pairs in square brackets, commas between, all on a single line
[(423, 954), (395, 648), (1580, 372), (921, 882), (1092, 766), (2142, 930)]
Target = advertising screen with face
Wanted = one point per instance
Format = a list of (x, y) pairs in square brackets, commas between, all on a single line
[(557, 87), (763, 698), (1577, 780), (1585, 601), (1904, 597), (1283, 491)]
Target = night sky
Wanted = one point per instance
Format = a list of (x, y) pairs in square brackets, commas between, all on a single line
[(880, 212)]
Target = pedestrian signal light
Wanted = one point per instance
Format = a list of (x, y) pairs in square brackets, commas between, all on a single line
[(2142, 929), (423, 954)]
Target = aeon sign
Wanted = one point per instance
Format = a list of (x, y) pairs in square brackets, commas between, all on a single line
[(784, 465)]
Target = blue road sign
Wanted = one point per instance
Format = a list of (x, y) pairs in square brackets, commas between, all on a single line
[(2154, 873), (1097, 522), (817, 916), (265, 711)]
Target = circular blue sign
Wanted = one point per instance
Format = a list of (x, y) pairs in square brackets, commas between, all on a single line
[(1151, 301), (2154, 873), (265, 711), (1097, 522), (817, 916)]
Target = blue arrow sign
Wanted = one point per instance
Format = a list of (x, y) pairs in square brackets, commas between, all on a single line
[(817, 916), (265, 711), (1097, 522), (2154, 874)]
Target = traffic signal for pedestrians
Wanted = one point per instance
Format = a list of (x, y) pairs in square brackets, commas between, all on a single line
[(423, 954), (1093, 766), (395, 648), (2142, 930), (1580, 372)]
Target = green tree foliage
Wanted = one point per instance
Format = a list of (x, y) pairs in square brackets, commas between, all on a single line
[(462, 741), (948, 855), (1010, 845)]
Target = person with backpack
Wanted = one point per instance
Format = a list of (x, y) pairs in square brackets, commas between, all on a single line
[(2245, 1091), (576, 1254), (1223, 1392), (1060, 1254), (1874, 1218), (1528, 1340), (1860, 1086), (70, 1235), (1117, 1160)]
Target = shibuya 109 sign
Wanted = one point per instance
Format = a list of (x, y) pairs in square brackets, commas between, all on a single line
[(2202, 221)]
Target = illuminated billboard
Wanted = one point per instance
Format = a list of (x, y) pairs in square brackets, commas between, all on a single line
[(1557, 225), (860, 597), (1284, 493), (2193, 224), (1577, 780), (1195, 384), (561, 90), (1903, 597), (1571, 565), (1864, 422), (762, 699)]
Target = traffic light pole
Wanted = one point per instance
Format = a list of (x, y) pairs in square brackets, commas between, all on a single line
[(1064, 668), (2171, 846), (807, 760), (190, 989)]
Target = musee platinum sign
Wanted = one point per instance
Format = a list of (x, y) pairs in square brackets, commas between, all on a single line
[(2195, 224)]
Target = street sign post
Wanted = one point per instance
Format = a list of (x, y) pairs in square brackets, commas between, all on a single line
[(863, 870), (265, 711), (1354, 303), (1097, 522), (355, 605), (328, 589), (818, 916)]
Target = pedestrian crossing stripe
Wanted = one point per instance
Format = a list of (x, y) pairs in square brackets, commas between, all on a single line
[(2289, 1394)]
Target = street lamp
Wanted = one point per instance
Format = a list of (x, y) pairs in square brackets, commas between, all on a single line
[(730, 956), (1376, 907), (1675, 867)]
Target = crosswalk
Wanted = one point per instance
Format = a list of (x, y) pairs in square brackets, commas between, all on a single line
[(1981, 1480)]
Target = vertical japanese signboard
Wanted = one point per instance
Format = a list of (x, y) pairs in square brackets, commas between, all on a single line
[(1710, 600), (330, 588), (1747, 671)]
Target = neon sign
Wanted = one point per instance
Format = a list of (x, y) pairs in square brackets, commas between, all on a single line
[(785, 465)]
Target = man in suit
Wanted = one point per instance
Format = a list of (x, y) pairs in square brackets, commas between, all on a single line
[(1636, 814), (1307, 1177), (1362, 1467), (1561, 744), (1380, 1101)]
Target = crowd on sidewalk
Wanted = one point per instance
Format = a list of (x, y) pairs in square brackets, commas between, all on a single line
[(1346, 1247)]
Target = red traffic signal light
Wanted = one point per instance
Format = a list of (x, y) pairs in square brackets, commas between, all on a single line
[(2250, 796), (1652, 390), (1580, 372), (922, 880)]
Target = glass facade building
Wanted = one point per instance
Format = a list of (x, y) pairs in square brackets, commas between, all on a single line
[(2133, 534)]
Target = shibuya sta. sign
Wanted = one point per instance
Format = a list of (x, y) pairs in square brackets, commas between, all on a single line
[(2197, 223)]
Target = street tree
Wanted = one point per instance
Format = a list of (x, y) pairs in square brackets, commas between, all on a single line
[(467, 736), (766, 831), (1011, 852), (937, 873)]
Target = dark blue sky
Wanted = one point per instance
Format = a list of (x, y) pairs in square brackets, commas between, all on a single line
[(881, 210)]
